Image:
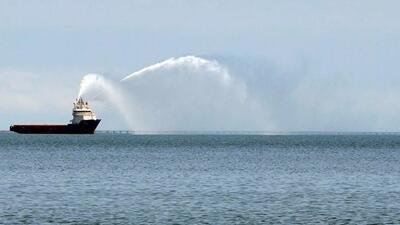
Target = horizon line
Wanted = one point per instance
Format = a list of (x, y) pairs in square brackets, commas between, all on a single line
[(234, 132)]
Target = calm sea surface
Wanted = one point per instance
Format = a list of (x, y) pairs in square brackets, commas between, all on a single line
[(199, 179)]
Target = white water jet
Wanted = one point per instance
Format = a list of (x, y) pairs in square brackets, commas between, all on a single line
[(96, 87), (189, 63), (186, 93)]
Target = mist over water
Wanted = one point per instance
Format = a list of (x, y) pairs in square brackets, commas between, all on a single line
[(234, 94)]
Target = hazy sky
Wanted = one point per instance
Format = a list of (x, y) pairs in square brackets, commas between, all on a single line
[(340, 57)]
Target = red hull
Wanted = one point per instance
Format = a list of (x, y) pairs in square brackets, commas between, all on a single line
[(84, 127)]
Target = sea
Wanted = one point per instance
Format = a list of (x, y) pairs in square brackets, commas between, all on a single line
[(124, 178)]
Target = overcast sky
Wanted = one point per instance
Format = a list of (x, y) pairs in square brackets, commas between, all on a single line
[(47, 46)]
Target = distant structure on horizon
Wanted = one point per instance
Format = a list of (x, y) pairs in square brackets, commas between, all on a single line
[(83, 121)]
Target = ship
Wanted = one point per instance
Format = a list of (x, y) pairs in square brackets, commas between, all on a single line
[(83, 121)]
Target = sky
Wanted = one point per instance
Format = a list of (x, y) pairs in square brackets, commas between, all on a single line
[(310, 65)]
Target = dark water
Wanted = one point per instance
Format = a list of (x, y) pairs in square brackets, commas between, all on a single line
[(199, 179)]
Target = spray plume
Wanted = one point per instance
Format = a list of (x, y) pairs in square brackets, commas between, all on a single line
[(185, 93)]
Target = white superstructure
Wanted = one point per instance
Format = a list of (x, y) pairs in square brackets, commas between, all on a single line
[(81, 111)]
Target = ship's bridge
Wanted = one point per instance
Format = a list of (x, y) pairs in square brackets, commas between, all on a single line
[(81, 111)]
